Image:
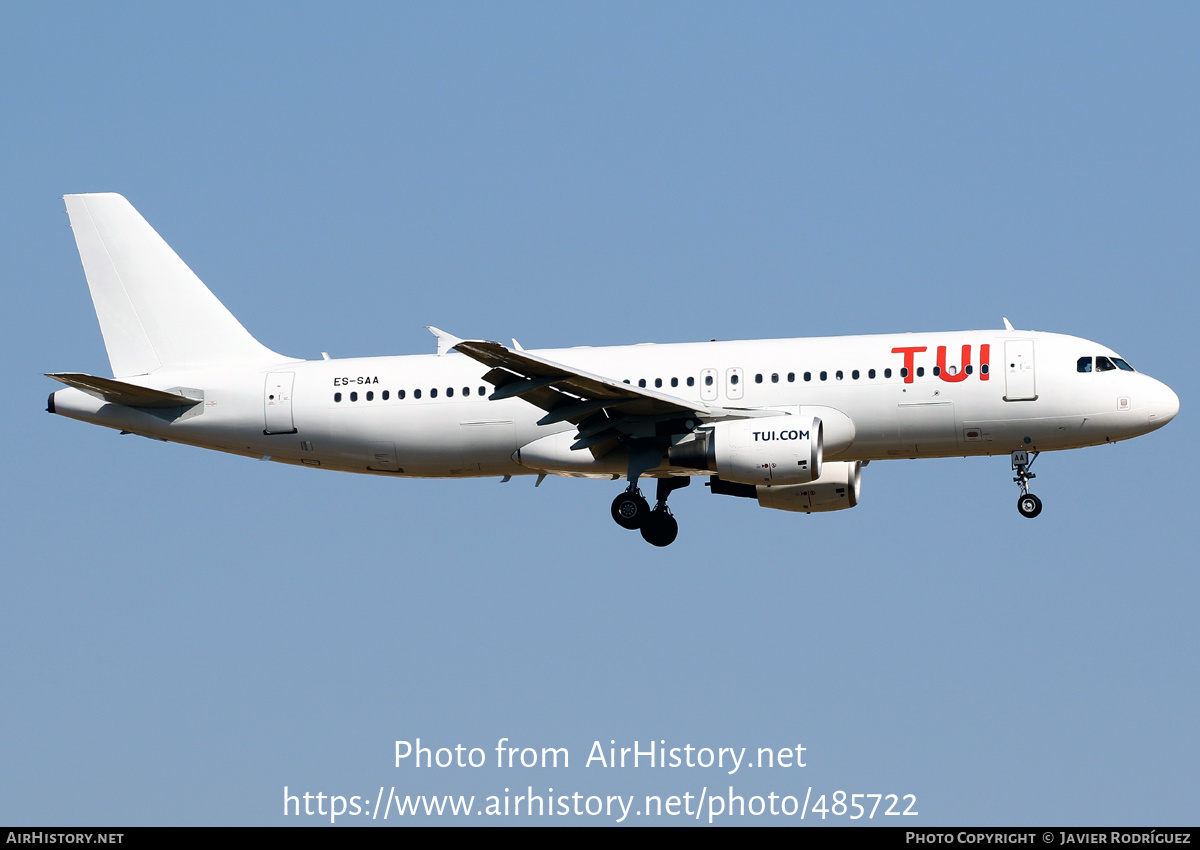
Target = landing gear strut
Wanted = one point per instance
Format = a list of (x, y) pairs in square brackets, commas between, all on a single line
[(1028, 504)]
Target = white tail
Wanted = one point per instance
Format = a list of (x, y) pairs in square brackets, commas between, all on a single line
[(153, 310)]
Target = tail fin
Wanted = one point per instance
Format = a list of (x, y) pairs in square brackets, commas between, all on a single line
[(153, 310)]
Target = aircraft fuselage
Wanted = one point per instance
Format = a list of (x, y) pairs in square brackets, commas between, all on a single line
[(789, 422), (902, 396)]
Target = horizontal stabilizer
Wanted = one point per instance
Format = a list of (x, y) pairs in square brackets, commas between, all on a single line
[(119, 392)]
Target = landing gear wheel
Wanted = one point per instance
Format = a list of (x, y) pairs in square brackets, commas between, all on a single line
[(1029, 505), (630, 510), (660, 528)]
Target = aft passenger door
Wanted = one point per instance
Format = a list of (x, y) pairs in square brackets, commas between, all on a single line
[(277, 404)]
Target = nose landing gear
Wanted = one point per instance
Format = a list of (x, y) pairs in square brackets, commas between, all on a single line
[(1028, 504)]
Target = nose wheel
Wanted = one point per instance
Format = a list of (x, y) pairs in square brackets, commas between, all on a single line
[(1028, 504)]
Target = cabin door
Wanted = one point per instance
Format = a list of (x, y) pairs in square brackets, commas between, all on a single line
[(277, 404), (1019, 384)]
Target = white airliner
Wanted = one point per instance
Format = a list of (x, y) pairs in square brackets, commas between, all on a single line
[(789, 422)]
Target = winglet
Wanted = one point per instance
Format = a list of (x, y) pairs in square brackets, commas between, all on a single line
[(445, 341), (1008, 325)]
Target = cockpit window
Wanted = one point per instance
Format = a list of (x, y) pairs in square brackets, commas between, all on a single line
[(1084, 364), (1103, 364), (1122, 365)]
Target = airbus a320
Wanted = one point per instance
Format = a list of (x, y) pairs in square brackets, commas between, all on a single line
[(788, 422)]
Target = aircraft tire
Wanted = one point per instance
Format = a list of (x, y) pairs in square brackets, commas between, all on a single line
[(660, 528), (630, 510), (1029, 505)]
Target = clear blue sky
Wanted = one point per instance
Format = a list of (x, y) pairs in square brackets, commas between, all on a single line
[(185, 633)]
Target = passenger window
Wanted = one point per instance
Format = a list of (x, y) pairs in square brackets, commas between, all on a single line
[(384, 395), (937, 370), (733, 379), (641, 382), (483, 391), (354, 396), (808, 376), (708, 380), (400, 394), (1103, 364), (791, 377), (904, 372), (449, 392), (416, 393), (433, 393), (370, 395), (691, 382), (983, 370), (658, 382), (824, 375), (920, 371), (887, 373), (854, 374), (774, 377), (758, 378), (969, 369), (337, 396), (870, 373), (674, 382), (1084, 364), (839, 374), (466, 391)]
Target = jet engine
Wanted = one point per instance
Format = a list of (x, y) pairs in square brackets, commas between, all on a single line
[(776, 450), (838, 488)]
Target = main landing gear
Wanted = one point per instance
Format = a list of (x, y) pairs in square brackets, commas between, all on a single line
[(631, 510), (1028, 504)]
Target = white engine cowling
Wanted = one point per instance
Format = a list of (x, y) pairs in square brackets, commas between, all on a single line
[(838, 488), (765, 450)]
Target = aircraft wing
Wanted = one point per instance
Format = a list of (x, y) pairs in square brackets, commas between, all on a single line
[(603, 408)]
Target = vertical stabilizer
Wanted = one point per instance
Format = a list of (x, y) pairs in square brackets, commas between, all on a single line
[(154, 312)]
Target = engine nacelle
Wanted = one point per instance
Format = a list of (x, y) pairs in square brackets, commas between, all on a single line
[(838, 488), (775, 450)]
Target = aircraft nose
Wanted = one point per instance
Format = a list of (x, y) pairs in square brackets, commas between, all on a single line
[(1164, 404)]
